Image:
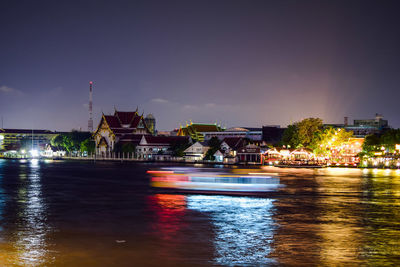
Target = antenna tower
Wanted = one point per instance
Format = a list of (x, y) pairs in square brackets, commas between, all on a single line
[(90, 122)]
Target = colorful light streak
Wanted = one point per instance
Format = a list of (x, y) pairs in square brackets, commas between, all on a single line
[(194, 180)]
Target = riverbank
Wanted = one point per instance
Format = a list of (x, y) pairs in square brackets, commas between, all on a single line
[(205, 162)]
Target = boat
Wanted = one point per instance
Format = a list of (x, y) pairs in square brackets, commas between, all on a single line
[(214, 182)]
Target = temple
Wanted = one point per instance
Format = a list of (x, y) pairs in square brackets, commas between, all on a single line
[(197, 130), (122, 127)]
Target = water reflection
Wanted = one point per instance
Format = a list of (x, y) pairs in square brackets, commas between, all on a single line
[(30, 240), (81, 214), (381, 204), (2, 198), (340, 215), (243, 227)]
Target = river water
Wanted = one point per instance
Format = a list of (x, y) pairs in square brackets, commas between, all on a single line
[(63, 213)]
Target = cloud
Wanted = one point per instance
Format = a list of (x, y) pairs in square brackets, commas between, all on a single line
[(201, 106), (190, 107), (159, 100), (8, 90), (210, 105)]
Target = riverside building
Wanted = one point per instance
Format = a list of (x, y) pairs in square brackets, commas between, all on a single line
[(121, 127), (198, 131), (12, 139), (364, 127), (254, 134)]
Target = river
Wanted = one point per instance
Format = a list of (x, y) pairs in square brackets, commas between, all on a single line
[(70, 213)]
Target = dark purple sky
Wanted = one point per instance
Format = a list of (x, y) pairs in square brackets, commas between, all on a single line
[(243, 63)]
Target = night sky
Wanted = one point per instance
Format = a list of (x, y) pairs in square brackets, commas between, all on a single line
[(242, 63)]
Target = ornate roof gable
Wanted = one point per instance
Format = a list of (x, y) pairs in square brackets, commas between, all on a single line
[(104, 122)]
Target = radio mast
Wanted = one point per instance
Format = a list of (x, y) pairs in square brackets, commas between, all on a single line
[(90, 122)]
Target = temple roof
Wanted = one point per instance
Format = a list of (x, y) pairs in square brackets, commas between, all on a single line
[(205, 127), (125, 117), (122, 131), (131, 138), (123, 122), (112, 121), (135, 122), (234, 142), (201, 128)]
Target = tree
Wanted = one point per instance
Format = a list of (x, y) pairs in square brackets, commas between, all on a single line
[(291, 136), (371, 143), (308, 130), (70, 141), (214, 143), (330, 138), (178, 147), (390, 138), (57, 141), (302, 133), (87, 146), (124, 148), (128, 148)]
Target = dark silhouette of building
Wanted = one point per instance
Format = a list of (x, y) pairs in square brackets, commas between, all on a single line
[(272, 134)]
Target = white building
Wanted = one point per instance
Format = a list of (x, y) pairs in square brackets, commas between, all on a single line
[(158, 147), (197, 151), (254, 134)]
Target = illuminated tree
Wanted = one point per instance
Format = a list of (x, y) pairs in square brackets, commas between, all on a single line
[(329, 140)]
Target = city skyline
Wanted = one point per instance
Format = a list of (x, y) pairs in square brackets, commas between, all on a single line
[(242, 64)]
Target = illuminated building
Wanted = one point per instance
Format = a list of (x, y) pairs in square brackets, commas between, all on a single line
[(158, 147), (197, 131), (124, 127), (250, 153), (364, 127), (11, 139), (347, 153), (230, 145), (197, 151), (378, 122)]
